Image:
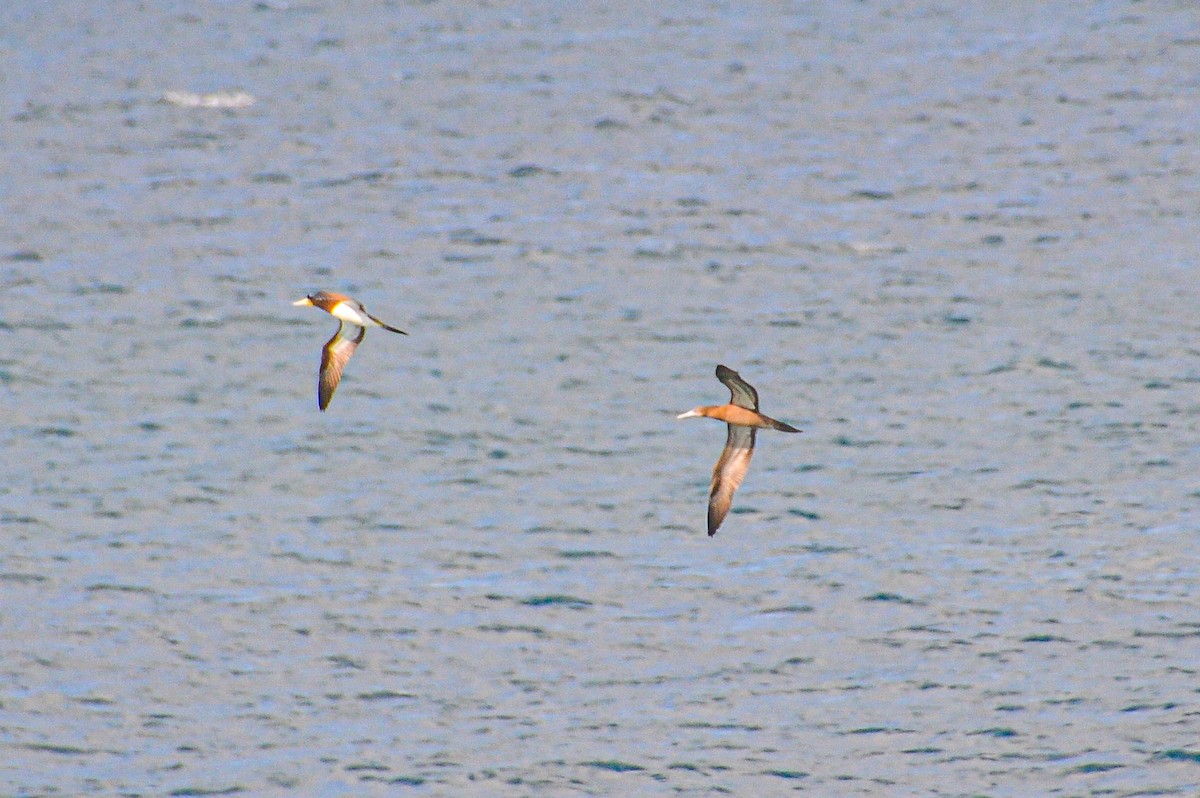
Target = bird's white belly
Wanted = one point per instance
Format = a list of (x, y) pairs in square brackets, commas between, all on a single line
[(347, 312)]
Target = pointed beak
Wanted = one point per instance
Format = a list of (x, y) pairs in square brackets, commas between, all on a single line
[(688, 414), (302, 302)]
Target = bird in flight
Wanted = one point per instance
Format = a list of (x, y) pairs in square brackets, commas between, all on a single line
[(743, 419), (337, 350)]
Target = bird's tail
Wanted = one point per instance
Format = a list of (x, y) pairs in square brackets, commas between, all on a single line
[(779, 425), (385, 326)]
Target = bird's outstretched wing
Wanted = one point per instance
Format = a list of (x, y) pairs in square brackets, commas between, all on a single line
[(742, 392), (729, 473), (334, 355)]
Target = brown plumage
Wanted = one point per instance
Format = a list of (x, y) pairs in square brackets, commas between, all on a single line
[(354, 321), (743, 420)]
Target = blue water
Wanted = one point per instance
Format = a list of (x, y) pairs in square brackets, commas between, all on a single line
[(955, 246)]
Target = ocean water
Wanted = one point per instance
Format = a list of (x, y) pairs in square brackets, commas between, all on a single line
[(956, 246)]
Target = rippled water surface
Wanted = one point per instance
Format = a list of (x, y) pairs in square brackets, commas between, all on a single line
[(956, 246)]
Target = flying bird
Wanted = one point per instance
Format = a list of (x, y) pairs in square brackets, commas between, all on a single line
[(744, 420), (337, 350)]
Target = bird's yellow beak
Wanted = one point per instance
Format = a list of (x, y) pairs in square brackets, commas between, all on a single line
[(302, 302)]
